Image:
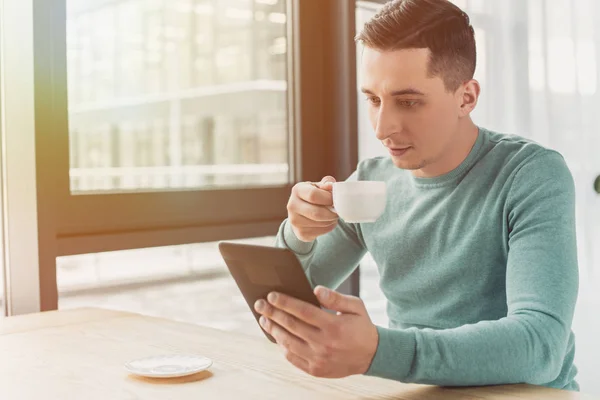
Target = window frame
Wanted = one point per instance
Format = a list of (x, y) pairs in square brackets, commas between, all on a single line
[(93, 222)]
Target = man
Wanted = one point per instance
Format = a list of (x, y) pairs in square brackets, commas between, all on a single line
[(476, 248)]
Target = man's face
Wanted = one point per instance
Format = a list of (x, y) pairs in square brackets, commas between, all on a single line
[(413, 115)]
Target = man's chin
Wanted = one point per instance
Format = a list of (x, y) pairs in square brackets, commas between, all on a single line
[(406, 164)]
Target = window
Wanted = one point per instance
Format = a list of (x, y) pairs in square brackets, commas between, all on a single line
[(180, 124), (177, 94), (153, 123)]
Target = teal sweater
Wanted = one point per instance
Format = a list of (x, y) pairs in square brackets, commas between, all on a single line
[(479, 267)]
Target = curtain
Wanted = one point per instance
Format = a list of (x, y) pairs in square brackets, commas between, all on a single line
[(540, 76)]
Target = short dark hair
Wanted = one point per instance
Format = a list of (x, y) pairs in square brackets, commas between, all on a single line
[(437, 25)]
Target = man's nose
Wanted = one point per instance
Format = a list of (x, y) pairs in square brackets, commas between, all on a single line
[(386, 124)]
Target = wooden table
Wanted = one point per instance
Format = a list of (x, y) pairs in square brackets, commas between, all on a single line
[(79, 354)]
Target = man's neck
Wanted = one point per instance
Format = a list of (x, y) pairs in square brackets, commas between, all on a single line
[(455, 155)]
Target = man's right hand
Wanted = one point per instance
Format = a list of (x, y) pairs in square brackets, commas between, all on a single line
[(309, 210)]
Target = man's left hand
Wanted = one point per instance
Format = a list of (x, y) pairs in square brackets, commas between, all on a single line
[(319, 343)]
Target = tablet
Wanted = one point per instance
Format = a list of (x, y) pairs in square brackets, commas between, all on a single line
[(260, 270)]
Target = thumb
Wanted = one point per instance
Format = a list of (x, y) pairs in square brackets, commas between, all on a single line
[(326, 183), (336, 301)]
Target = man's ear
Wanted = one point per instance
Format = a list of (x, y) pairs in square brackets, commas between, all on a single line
[(468, 95)]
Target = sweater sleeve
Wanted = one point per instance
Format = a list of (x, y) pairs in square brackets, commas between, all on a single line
[(329, 259), (529, 344)]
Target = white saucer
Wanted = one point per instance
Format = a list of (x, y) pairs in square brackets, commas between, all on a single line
[(170, 366)]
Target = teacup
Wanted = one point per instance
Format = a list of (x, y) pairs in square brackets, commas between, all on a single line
[(359, 201)]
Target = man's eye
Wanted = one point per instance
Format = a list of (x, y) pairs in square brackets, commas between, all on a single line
[(374, 100), (408, 103)]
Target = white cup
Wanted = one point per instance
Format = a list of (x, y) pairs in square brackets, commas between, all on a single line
[(359, 201)]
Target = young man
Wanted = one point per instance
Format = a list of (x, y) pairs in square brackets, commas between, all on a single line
[(476, 248)]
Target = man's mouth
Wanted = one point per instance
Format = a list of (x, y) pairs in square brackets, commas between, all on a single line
[(398, 151)]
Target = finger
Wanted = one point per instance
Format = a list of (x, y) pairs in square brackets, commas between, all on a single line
[(328, 186), (336, 301), (289, 322), (303, 222), (284, 338), (310, 193), (302, 310), (314, 212), (326, 183)]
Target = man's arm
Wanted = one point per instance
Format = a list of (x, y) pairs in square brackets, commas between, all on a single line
[(329, 259), (529, 344)]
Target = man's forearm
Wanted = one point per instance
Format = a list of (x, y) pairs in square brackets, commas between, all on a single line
[(527, 347), (328, 260)]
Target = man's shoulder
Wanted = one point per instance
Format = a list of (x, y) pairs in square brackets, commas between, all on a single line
[(526, 164), (516, 153), (514, 145)]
